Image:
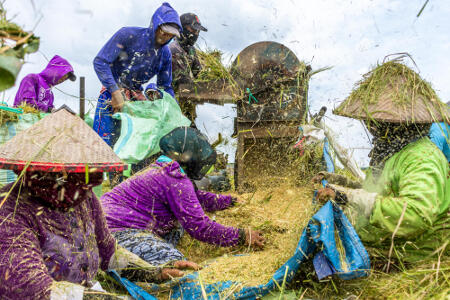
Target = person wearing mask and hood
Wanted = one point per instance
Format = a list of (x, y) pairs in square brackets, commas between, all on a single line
[(150, 210), (406, 192), (36, 89), (185, 63), (131, 57), (53, 233)]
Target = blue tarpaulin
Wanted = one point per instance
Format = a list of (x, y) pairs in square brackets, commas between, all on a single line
[(317, 237)]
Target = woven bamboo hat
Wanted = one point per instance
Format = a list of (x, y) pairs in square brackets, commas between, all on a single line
[(59, 142), (392, 92)]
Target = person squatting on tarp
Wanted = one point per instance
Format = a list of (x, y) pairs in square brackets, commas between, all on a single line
[(185, 63), (406, 193), (149, 212), (53, 233), (128, 60), (440, 135), (36, 89)]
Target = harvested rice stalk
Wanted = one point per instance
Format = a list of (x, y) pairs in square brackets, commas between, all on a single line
[(27, 109), (212, 67), (8, 116), (280, 214), (213, 70)]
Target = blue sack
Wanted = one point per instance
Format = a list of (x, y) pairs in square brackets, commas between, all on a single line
[(317, 238)]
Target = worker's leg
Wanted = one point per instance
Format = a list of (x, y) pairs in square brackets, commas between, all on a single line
[(148, 246), (174, 236)]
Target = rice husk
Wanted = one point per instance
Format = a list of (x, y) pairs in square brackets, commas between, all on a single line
[(279, 213)]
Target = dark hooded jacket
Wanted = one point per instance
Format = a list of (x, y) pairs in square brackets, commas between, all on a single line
[(35, 89), (131, 57)]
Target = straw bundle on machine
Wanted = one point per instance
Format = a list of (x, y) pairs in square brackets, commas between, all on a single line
[(213, 71)]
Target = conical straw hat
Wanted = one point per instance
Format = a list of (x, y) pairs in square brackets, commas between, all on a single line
[(59, 142), (392, 92)]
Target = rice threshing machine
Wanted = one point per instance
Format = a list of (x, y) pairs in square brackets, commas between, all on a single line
[(269, 87)]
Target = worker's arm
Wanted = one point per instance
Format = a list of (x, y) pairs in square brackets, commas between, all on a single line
[(28, 93), (187, 209), (196, 67), (107, 55), (421, 182), (22, 270), (105, 241), (213, 202), (164, 77)]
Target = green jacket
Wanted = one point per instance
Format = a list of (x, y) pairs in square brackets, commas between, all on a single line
[(418, 175)]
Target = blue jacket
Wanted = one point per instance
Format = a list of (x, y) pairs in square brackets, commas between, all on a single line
[(439, 134), (131, 57)]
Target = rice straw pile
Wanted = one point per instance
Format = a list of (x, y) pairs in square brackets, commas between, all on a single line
[(280, 214)]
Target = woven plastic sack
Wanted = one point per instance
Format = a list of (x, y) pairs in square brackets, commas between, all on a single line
[(144, 123)]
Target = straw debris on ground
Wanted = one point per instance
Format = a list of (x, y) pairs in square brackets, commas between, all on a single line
[(428, 280)]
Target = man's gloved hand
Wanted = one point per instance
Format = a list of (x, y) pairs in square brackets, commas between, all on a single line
[(329, 193), (337, 179), (325, 194), (117, 101), (360, 201)]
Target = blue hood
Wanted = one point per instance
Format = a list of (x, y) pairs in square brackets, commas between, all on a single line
[(163, 15)]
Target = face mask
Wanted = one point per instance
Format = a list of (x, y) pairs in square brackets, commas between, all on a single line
[(188, 39), (196, 170), (59, 190)]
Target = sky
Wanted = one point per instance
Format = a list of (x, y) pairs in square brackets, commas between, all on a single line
[(350, 36)]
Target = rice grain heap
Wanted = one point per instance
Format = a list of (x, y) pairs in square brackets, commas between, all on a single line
[(280, 214)]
